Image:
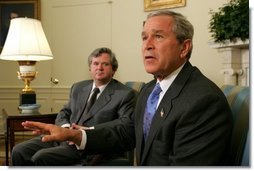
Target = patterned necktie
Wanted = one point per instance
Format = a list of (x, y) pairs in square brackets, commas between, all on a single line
[(151, 106), (92, 99)]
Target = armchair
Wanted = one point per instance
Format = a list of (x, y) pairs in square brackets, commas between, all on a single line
[(238, 99)]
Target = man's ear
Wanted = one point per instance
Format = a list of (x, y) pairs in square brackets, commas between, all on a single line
[(186, 47), (113, 73)]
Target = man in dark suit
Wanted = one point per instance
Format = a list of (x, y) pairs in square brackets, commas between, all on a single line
[(114, 101), (192, 123)]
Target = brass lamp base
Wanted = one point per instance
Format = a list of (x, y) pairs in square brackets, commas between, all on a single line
[(27, 73)]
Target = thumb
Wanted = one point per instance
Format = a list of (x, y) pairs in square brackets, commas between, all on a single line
[(48, 138)]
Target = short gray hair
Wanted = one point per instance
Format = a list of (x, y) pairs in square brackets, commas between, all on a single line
[(97, 52)]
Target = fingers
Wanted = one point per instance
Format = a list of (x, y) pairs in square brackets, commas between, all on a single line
[(28, 126), (37, 127), (71, 142), (48, 138), (56, 136), (39, 132), (33, 125)]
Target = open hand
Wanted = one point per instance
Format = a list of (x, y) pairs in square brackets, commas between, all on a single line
[(52, 132)]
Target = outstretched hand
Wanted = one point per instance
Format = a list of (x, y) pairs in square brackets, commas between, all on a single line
[(52, 132), (37, 127)]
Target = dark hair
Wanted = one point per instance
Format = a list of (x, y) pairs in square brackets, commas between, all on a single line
[(99, 51), (182, 27)]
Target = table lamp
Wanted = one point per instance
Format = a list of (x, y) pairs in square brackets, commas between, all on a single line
[(26, 43)]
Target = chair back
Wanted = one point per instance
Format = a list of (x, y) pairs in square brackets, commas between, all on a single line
[(135, 85), (238, 99)]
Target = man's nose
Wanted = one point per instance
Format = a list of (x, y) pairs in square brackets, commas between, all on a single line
[(148, 44), (100, 66)]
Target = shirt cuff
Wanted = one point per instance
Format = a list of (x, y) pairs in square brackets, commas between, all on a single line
[(66, 125), (83, 141)]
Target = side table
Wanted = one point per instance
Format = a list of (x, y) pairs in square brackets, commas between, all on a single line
[(13, 123)]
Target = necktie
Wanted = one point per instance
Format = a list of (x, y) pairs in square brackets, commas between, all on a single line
[(92, 99), (151, 108)]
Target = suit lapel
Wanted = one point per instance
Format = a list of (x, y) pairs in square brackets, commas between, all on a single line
[(82, 99), (163, 110), (140, 110), (103, 100), (161, 114)]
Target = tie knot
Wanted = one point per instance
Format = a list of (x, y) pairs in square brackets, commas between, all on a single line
[(96, 90)]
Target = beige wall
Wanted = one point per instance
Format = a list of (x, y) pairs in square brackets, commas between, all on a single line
[(116, 24), (126, 25), (127, 18)]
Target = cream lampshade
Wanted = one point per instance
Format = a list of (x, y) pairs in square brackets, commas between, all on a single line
[(26, 43)]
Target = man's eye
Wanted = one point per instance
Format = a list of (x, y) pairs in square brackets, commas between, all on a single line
[(106, 64), (144, 38), (158, 36)]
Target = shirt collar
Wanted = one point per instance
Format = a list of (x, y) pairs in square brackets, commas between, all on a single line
[(100, 87), (166, 82)]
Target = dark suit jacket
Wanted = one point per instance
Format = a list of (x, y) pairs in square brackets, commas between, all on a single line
[(192, 125), (115, 102)]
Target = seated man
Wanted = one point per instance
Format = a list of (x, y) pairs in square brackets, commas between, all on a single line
[(114, 101)]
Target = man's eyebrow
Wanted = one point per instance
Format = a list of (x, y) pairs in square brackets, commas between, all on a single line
[(154, 31), (143, 33), (158, 31)]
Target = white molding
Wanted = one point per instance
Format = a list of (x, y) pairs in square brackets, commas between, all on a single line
[(235, 64), (238, 44)]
